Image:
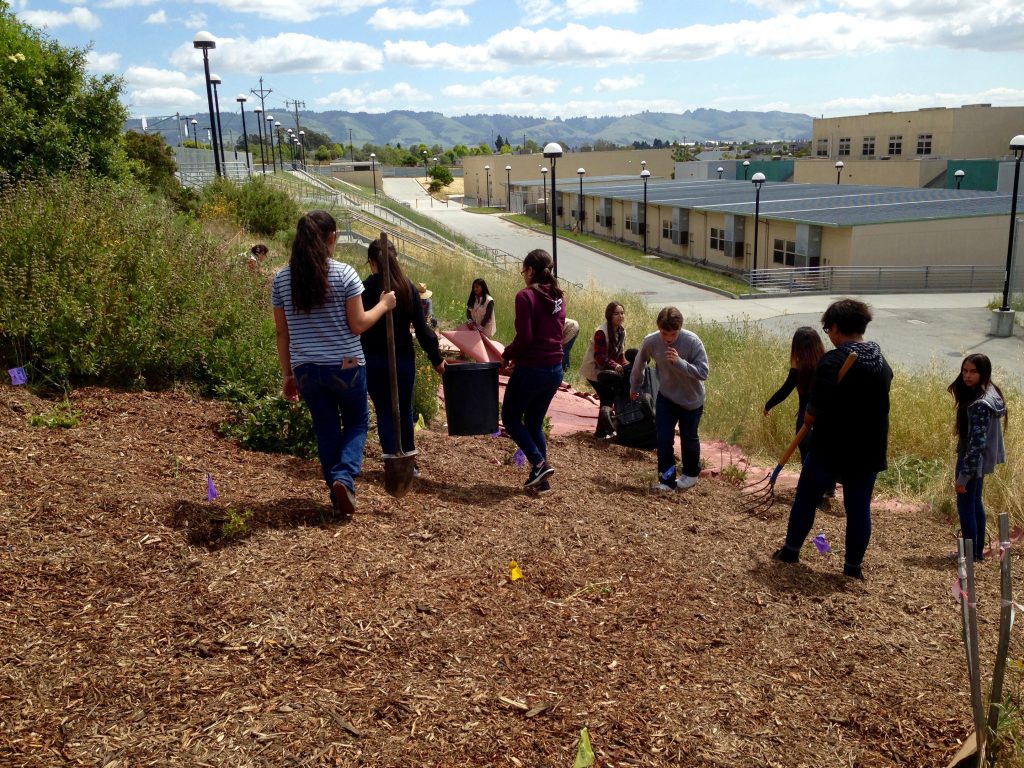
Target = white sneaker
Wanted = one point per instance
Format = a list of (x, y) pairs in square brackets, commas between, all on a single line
[(685, 482), (662, 487)]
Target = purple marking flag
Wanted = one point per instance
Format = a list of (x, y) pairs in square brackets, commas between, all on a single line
[(211, 489), (822, 544), (519, 458), (18, 376), (496, 434)]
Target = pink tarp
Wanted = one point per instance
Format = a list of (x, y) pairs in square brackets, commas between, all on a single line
[(475, 345)]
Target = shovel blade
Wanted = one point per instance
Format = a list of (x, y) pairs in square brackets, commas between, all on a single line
[(398, 473)]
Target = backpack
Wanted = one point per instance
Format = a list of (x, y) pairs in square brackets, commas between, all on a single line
[(634, 419)]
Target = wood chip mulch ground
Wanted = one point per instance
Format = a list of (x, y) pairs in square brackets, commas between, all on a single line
[(134, 631)]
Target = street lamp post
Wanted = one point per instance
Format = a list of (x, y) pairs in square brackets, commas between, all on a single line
[(204, 41), (302, 147), (543, 194), (245, 136), (373, 171), (487, 171), (280, 144), (746, 167), (839, 170), (758, 180), (645, 175), (195, 132), (508, 187), (581, 172), (720, 170), (215, 79), (553, 151), (259, 132), (426, 173), (270, 135), (959, 177), (1017, 147)]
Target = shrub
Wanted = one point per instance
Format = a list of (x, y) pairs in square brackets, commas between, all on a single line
[(271, 423), (255, 205)]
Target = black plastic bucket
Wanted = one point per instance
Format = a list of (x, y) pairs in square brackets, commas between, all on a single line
[(471, 398)]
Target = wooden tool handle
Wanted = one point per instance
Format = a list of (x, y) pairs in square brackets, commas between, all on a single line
[(847, 365)]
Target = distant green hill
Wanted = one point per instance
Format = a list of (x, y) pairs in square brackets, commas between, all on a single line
[(407, 127)]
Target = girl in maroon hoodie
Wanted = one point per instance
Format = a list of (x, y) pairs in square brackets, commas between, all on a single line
[(535, 360)]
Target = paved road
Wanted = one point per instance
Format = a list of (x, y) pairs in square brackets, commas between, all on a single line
[(915, 330)]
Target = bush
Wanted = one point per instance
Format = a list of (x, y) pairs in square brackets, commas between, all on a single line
[(255, 205), (271, 423), (101, 282)]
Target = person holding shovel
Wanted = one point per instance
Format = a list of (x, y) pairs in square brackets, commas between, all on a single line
[(534, 359), (319, 314), (850, 420), (408, 311)]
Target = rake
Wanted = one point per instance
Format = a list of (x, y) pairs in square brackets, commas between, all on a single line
[(761, 495)]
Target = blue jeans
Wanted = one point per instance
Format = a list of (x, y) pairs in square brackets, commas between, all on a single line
[(805, 446), (972, 512), (565, 353), (528, 394), (814, 481), (334, 395), (666, 415), (378, 383)]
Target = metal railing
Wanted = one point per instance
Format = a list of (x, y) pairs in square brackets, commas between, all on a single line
[(880, 279)]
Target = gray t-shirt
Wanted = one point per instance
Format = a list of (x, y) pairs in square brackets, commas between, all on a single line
[(681, 382)]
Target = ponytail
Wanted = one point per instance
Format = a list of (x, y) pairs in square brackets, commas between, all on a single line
[(543, 270), (311, 250)]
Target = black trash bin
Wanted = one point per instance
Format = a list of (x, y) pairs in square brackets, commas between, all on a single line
[(471, 398)]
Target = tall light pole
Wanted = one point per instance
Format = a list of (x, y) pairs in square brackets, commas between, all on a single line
[(280, 144), (581, 172), (270, 134), (508, 188), (721, 170), (758, 180), (959, 177), (245, 136), (195, 132), (553, 151), (645, 175), (215, 79), (259, 132), (426, 173), (204, 41), (543, 192), (746, 167), (487, 171), (1017, 147), (839, 171), (373, 171), (302, 147)]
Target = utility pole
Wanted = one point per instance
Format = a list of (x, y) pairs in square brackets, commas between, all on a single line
[(262, 94), (296, 104), (351, 149)]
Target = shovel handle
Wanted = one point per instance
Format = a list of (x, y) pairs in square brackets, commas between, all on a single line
[(847, 365)]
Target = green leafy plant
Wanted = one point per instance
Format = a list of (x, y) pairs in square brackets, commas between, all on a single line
[(62, 416), (237, 524), (273, 424)]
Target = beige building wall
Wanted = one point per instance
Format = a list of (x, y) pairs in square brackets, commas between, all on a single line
[(625, 162), (980, 241), (972, 131), (909, 172)]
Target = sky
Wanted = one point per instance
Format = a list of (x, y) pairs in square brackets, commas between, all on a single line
[(552, 58)]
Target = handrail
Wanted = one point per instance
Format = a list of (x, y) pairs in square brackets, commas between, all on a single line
[(952, 278)]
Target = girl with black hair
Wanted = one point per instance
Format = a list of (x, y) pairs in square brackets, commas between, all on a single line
[(319, 314), (979, 448), (535, 360), (606, 355), (480, 309), (805, 351), (409, 311)]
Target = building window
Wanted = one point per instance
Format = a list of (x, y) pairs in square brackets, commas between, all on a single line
[(717, 239), (924, 144), (784, 252), (895, 145), (867, 148), (629, 223), (666, 229), (844, 146), (822, 150)]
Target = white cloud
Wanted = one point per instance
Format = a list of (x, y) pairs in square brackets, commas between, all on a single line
[(600, 7), (104, 63), (294, 11), (150, 77), (399, 96), (504, 88), (164, 97), (196, 21), (125, 3), (414, 53), (452, 3), (898, 102), (618, 84), (287, 52), (391, 19), (537, 11), (157, 17), (78, 17)]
